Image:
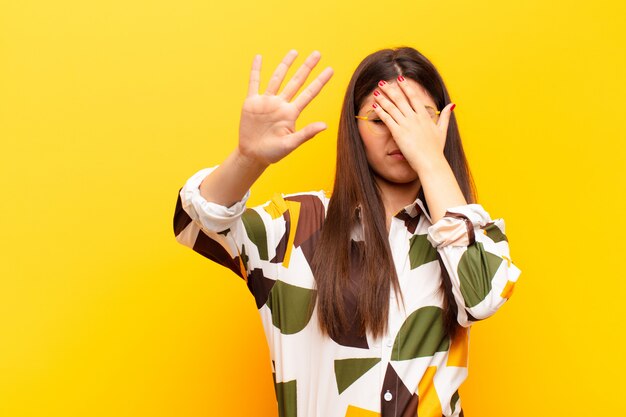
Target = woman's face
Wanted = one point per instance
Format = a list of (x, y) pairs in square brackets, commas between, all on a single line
[(381, 149)]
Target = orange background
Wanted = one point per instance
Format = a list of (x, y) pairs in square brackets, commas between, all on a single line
[(106, 108)]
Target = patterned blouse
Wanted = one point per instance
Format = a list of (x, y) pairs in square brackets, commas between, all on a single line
[(414, 368)]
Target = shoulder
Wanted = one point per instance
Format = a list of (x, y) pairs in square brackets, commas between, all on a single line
[(310, 205), (314, 198), (306, 200)]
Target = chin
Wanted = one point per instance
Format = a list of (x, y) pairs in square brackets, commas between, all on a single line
[(402, 180), (400, 175)]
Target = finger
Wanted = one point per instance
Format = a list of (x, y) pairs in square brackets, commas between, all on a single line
[(444, 117), (300, 76), (309, 93), (386, 118), (388, 106), (280, 71), (397, 96), (255, 76), (307, 132), (416, 103)]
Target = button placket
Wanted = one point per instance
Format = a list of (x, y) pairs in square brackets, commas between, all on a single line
[(400, 256), (397, 254)]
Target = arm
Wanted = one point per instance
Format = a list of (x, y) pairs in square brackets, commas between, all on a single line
[(252, 242), (474, 252), (230, 181), (245, 240), (441, 188), (211, 229), (238, 237), (211, 215), (473, 249)]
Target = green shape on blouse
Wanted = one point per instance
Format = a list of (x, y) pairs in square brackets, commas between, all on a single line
[(476, 270), (349, 370), (453, 401), (244, 256), (255, 229), (494, 233), (421, 251), (286, 396), (422, 334), (291, 306)]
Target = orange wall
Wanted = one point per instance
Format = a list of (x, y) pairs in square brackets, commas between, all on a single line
[(106, 108)]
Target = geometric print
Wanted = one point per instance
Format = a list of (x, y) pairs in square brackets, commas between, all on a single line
[(414, 369)]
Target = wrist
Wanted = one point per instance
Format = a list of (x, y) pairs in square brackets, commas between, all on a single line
[(430, 163), (248, 163)]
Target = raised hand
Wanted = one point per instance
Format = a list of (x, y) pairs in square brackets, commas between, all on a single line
[(401, 106), (267, 127)]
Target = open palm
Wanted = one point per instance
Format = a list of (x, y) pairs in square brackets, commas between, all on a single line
[(267, 126)]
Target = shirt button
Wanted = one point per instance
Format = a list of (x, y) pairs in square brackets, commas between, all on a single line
[(388, 396), (389, 342)]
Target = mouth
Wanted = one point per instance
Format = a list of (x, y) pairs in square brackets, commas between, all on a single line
[(396, 154)]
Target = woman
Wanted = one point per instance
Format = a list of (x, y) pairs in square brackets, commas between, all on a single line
[(367, 296)]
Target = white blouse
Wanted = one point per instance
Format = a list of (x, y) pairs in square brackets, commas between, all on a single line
[(414, 368)]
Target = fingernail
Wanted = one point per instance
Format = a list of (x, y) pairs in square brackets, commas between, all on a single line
[(382, 82), (376, 93), (374, 105), (453, 106), (400, 78)]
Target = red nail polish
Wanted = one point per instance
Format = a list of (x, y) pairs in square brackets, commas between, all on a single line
[(381, 83), (376, 93), (453, 106), (400, 78), (374, 105)]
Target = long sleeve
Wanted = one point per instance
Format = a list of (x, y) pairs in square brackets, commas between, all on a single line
[(474, 250), (240, 238)]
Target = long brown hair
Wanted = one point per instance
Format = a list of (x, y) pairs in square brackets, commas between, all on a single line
[(337, 257)]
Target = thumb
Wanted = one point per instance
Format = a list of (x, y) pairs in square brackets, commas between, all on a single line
[(307, 132), (444, 117)]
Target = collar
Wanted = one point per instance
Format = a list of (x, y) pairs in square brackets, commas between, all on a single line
[(415, 209), (409, 211)]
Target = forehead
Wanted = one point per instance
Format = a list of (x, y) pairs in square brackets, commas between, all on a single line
[(419, 91)]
